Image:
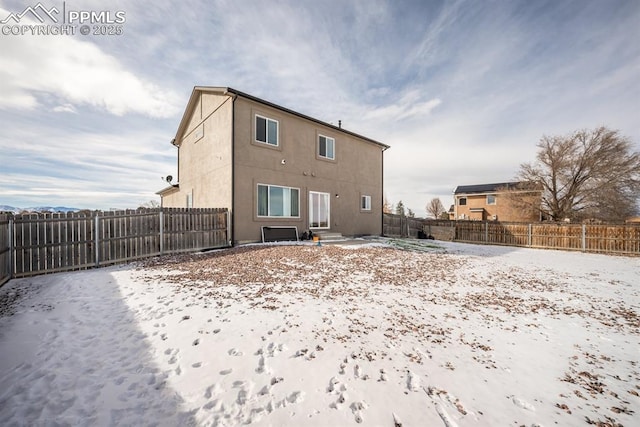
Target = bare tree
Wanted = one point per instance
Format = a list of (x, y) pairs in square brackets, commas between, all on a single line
[(386, 207), (588, 174), (152, 204), (435, 208), (400, 208), (410, 213), (523, 201)]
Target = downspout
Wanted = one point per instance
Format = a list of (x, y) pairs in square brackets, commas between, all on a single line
[(173, 142), (455, 206), (382, 195), (233, 166)]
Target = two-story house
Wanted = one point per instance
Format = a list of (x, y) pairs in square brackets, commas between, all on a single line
[(506, 201), (271, 166)]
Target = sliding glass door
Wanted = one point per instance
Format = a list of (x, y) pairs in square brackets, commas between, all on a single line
[(319, 210)]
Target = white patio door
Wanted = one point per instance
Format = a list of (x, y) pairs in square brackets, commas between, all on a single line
[(319, 210)]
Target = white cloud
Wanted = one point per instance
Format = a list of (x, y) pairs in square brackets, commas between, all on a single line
[(79, 73), (461, 91), (64, 108), (408, 106), (85, 169)]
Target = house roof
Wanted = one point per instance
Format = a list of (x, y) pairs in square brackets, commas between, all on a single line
[(233, 92), (168, 190), (485, 188)]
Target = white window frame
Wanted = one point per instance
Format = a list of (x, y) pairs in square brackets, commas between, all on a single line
[(494, 199), (333, 147), (269, 213), (365, 203), (266, 141), (327, 197)]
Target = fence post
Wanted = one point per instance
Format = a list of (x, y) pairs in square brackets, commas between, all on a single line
[(97, 240), (584, 237), (229, 227), (486, 231), (161, 232), (529, 239), (11, 248)]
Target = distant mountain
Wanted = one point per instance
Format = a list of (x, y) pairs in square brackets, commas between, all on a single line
[(6, 208), (53, 209)]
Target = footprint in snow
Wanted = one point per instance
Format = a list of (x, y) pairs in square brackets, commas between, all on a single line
[(413, 381), (523, 404), (357, 408), (213, 390), (357, 372)]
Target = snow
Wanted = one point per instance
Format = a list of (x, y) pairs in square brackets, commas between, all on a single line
[(389, 333)]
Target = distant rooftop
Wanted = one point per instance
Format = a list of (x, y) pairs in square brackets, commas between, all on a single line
[(485, 188)]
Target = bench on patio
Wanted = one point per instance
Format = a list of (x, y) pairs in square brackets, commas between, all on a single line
[(279, 234)]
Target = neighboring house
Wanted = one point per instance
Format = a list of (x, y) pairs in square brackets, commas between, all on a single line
[(271, 166), (507, 201), (451, 213)]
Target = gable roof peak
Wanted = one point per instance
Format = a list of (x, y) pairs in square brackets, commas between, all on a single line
[(229, 91)]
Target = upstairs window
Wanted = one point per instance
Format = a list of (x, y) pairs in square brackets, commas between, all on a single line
[(491, 199), (266, 130), (326, 147), (462, 201), (365, 203)]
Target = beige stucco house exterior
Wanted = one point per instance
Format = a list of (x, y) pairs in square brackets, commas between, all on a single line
[(271, 166), (506, 201)]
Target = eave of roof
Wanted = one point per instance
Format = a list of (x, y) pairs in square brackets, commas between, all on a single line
[(169, 189), (234, 92)]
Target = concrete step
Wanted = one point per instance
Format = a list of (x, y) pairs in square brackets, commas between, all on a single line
[(328, 236)]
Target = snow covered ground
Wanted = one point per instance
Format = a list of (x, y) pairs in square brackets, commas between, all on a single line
[(456, 335)]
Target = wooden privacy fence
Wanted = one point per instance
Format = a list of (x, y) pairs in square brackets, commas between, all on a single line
[(401, 225), (600, 238), (33, 244), (5, 257)]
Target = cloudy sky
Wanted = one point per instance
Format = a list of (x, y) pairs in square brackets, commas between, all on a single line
[(461, 90)]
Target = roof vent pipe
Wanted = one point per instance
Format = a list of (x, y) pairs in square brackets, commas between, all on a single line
[(340, 124)]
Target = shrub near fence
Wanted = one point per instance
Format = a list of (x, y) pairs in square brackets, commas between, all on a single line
[(46, 243)]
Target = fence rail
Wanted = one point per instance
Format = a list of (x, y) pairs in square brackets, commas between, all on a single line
[(40, 243), (621, 239)]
